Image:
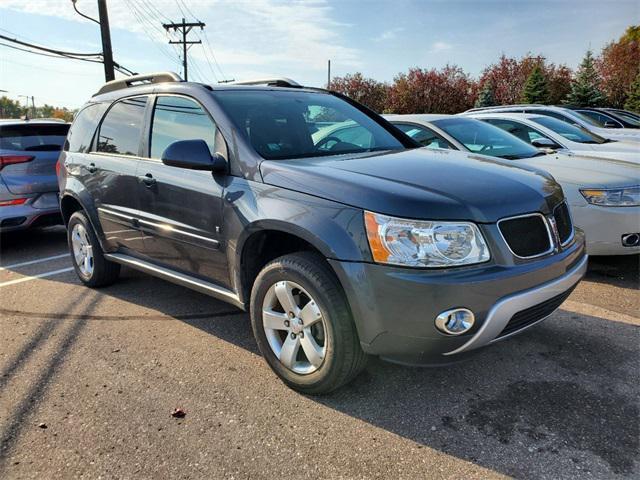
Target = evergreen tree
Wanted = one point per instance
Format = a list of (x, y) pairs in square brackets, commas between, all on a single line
[(536, 89), (633, 96), (585, 90), (486, 97)]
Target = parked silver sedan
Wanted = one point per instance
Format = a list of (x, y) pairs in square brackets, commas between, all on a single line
[(603, 194), (549, 133), (29, 150)]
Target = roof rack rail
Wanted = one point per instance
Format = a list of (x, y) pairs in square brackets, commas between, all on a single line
[(271, 82), (480, 109), (133, 80)]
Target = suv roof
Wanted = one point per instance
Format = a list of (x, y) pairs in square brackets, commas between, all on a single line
[(172, 77)]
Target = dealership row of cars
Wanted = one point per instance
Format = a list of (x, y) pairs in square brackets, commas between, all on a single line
[(335, 229)]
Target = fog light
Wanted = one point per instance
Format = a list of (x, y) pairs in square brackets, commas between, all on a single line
[(456, 321)]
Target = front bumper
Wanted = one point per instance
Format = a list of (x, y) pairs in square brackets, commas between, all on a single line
[(605, 226), (395, 308)]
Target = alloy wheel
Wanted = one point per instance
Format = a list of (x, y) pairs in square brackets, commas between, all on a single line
[(294, 327)]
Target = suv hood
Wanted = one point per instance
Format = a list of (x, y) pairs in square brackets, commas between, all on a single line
[(421, 184)]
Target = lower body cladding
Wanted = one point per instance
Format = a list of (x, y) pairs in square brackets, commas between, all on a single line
[(395, 309), (39, 210), (609, 230)]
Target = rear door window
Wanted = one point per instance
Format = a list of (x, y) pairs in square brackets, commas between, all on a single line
[(33, 137), (180, 118), (83, 128), (121, 129)]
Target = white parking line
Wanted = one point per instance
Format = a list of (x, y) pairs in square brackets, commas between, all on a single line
[(31, 262), (34, 277)]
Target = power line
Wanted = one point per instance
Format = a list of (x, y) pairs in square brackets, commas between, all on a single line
[(144, 22), (117, 66), (50, 50), (208, 49), (184, 28)]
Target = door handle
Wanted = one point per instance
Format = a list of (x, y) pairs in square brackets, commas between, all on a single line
[(92, 168), (148, 180)]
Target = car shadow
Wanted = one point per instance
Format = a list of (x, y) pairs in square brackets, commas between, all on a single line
[(621, 271)]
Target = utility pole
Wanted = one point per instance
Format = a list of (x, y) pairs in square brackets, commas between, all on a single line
[(184, 28), (328, 73), (107, 52)]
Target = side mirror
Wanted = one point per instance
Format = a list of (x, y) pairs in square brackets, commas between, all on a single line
[(544, 143), (194, 155), (610, 124)]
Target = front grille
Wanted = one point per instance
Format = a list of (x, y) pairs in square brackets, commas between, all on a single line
[(563, 222), (526, 236), (533, 314)]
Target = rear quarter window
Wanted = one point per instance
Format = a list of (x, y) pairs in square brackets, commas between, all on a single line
[(84, 127), (33, 137)]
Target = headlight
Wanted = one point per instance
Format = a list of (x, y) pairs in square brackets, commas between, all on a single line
[(419, 243), (615, 197)]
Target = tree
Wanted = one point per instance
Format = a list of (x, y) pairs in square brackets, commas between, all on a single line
[(633, 95), (367, 91), (535, 89), (509, 76), (585, 91), (449, 90), (559, 82), (10, 108), (618, 66), (486, 97)]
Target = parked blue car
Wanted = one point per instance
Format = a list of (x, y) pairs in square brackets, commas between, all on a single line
[(29, 150)]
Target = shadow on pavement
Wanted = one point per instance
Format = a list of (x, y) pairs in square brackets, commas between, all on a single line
[(622, 271)]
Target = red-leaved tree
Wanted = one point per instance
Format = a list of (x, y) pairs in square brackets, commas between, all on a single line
[(367, 91), (618, 66), (509, 76), (448, 90)]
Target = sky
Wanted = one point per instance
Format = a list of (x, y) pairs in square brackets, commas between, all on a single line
[(246, 39)]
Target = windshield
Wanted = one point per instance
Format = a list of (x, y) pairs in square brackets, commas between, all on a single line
[(568, 131), (286, 124), (481, 137)]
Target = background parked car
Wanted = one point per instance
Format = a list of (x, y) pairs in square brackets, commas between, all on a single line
[(29, 151), (549, 133), (607, 119), (603, 194), (567, 115)]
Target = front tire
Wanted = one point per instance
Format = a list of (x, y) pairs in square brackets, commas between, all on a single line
[(303, 324), (86, 254)]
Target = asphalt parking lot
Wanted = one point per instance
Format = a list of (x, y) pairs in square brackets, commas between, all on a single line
[(89, 378)]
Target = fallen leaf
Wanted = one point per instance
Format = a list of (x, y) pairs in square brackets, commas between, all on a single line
[(178, 413)]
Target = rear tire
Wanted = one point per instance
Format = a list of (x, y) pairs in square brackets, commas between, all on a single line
[(309, 339), (86, 253)]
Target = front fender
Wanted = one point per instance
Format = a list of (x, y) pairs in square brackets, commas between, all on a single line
[(335, 230)]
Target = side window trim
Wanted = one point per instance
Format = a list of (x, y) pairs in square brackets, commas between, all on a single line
[(96, 134), (148, 131)]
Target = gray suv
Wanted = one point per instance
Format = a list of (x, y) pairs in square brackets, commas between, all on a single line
[(340, 242), (29, 150)]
